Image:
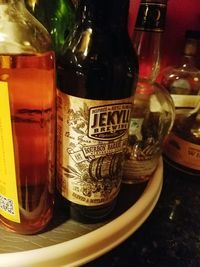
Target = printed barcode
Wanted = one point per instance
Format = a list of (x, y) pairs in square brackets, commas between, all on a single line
[(7, 204)]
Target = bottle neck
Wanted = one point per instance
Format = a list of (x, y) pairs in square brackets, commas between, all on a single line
[(151, 16), (15, 5), (188, 61), (104, 14), (16, 2), (10, 8), (147, 34), (189, 53)]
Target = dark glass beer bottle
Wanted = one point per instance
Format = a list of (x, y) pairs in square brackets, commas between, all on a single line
[(97, 75)]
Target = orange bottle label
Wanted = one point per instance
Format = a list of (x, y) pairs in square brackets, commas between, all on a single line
[(9, 207), (182, 152)]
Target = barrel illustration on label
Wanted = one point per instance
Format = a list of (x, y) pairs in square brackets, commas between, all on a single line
[(94, 136), (106, 167)]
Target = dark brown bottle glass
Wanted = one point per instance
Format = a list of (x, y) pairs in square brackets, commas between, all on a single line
[(97, 75)]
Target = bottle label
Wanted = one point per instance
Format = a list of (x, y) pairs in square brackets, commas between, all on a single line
[(185, 101), (135, 168), (9, 207), (151, 17), (92, 139), (182, 152), (141, 155)]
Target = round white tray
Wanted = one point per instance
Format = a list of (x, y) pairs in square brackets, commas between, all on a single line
[(73, 244)]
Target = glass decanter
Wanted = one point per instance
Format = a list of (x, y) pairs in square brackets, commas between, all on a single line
[(151, 121)]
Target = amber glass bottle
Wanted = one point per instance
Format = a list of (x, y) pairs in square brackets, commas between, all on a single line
[(27, 120), (182, 147), (97, 75), (183, 81)]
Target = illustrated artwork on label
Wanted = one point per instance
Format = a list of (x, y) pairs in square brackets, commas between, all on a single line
[(94, 136)]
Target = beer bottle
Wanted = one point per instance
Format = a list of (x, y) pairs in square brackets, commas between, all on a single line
[(97, 75)]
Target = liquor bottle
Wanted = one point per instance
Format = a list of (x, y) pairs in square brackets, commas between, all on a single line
[(183, 81), (57, 17), (153, 110), (27, 120), (97, 75), (151, 121), (182, 147), (147, 36)]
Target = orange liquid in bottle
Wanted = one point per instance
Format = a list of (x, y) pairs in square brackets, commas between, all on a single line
[(31, 88)]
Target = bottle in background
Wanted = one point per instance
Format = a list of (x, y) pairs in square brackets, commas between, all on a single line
[(57, 17), (181, 148), (151, 120), (147, 35), (183, 81), (27, 120), (153, 110), (97, 75), (133, 11)]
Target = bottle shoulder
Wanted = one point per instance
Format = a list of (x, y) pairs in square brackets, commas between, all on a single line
[(89, 46), (188, 127), (100, 64), (181, 79), (182, 68), (23, 33)]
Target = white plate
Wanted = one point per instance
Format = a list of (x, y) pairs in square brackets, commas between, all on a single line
[(82, 249)]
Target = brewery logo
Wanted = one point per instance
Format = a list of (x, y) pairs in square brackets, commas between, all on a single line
[(109, 122)]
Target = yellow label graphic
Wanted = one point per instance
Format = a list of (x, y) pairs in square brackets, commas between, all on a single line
[(9, 207)]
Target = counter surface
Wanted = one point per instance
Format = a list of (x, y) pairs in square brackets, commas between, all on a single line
[(170, 237)]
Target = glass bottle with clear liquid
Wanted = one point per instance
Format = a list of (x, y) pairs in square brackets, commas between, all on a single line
[(153, 110), (27, 120), (151, 121), (147, 36)]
